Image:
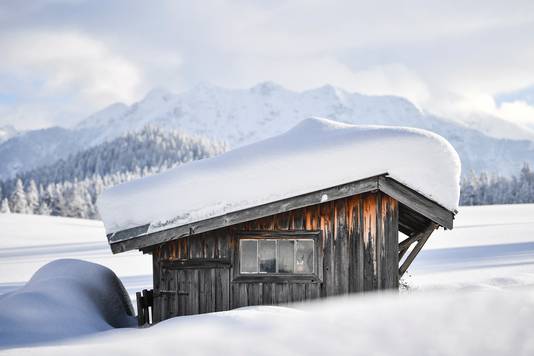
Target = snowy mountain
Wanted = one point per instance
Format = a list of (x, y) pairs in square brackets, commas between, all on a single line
[(242, 116), (246, 115), (39, 147)]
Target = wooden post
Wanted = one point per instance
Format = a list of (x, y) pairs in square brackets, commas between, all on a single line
[(140, 310)]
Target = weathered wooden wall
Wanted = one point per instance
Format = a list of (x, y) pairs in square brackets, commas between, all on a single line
[(358, 251)]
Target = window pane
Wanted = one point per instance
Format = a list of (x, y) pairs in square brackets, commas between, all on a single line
[(304, 256), (286, 255), (267, 250), (249, 256)]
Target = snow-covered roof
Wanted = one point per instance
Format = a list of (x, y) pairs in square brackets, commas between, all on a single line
[(315, 154)]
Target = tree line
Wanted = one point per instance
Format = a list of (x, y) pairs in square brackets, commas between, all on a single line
[(487, 189)]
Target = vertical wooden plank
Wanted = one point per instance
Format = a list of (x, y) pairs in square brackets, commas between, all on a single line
[(356, 249), (369, 242), (183, 250), (194, 289), (196, 248), (254, 291), (210, 242), (156, 278), (163, 309), (341, 248), (313, 291), (242, 295), (225, 288), (380, 244), (298, 292), (391, 235), (298, 219), (281, 293), (211, 286), (328, 258), (239, 295), (161, 297), (218, 288), (282, 221), (181, 288), (140, 310), (268, 297), (224, 243), (203, 279), (168, 300)]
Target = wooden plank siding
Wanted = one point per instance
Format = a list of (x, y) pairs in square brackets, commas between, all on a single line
[(356, 246)]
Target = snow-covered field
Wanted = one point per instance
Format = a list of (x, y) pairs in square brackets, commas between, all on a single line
[(490, 247), (28, 242), (471, 294)]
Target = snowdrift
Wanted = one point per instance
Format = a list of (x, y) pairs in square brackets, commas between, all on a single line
[(64, 298), (314, 155), (456, 324)]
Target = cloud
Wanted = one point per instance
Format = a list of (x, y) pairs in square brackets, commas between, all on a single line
[(61, 68), (73, 57), (517, 111)]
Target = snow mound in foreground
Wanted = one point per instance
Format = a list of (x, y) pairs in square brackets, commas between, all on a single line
[(64, 298), (314, 155), (456, 324)]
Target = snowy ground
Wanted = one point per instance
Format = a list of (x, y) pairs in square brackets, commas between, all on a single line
[(471, 294), (28, 242), (490, 247)]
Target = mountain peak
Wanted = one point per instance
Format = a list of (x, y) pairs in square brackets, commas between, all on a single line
[(158, 94), (266, 88), (329, 91)]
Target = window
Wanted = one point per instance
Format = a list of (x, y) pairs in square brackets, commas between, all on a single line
[(277, 256)]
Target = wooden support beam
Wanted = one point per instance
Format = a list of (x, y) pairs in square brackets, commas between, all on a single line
[(405, 244), (403, 252), (421, 240)]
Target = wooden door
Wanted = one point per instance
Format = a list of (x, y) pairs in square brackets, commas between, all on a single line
[(197, 290)]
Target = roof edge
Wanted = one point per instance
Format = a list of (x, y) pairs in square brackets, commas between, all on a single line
[(417, 201), (139, 238)]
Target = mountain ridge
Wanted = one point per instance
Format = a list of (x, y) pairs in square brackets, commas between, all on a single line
[(242, 116)]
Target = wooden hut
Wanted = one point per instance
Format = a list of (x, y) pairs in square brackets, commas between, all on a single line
[(336, 240)]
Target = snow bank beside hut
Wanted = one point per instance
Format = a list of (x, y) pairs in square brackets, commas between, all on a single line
[(314, 155), (63, 299)]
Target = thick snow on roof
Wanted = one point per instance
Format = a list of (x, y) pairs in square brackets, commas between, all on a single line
[(314, 155)]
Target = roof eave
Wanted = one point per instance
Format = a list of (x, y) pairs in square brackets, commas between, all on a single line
[(139, 238)]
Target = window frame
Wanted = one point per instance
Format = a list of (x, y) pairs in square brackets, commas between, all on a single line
[(266, 277)]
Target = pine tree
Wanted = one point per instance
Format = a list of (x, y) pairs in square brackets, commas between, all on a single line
[(78, 202), (43, 209), (18, 199), (32, 194), (4, 207)]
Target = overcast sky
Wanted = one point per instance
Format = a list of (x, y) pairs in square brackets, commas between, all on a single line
[(62, 60)]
